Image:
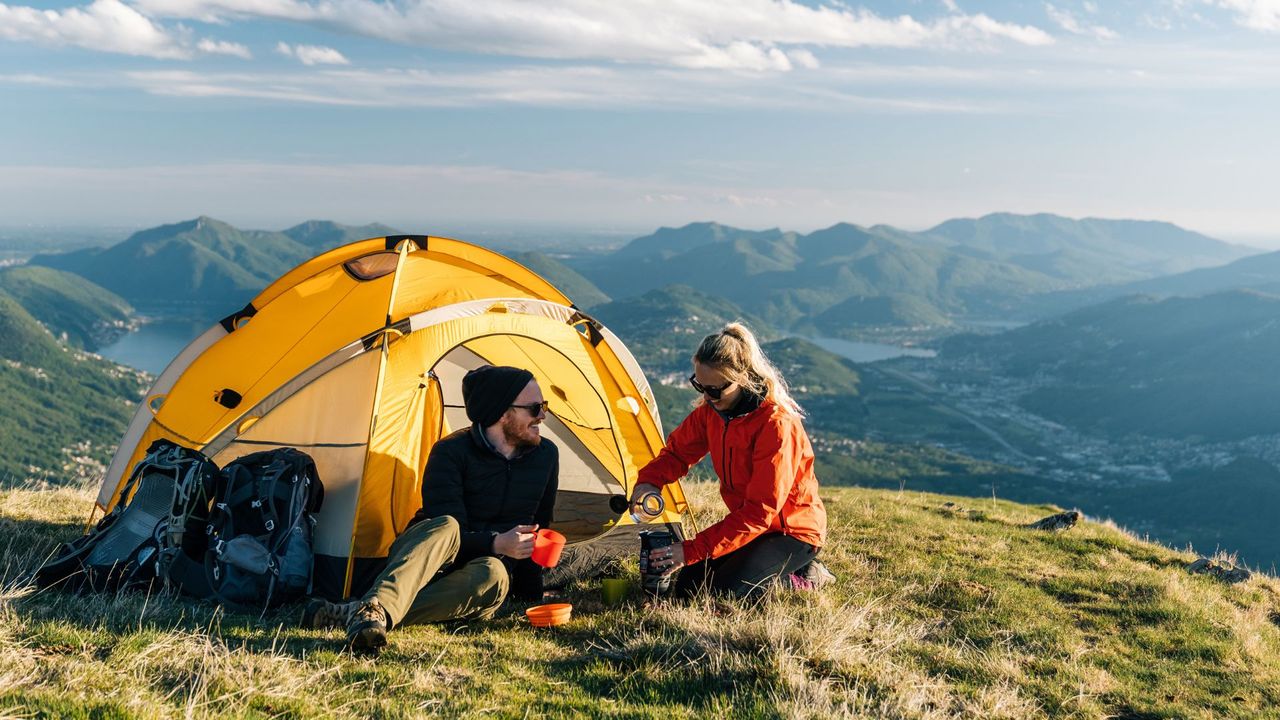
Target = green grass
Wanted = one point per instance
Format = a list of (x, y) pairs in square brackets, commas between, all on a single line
[(940, 611)]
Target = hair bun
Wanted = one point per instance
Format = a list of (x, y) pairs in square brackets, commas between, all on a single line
[(736, 330)]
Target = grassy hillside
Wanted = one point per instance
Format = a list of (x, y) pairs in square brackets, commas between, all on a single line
[(64, 410), (940, 612), (89, 316), (1232, 507)]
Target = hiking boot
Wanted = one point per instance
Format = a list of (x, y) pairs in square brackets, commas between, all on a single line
[(813, 576), (320, 614), (367, 628)]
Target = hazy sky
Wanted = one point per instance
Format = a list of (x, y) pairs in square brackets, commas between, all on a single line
[(629, 114)]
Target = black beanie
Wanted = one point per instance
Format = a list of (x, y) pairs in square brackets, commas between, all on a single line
[(489, 390)]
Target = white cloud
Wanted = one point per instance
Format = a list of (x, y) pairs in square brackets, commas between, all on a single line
[(220, 47), (581, 87), (759, 35), (803, 58), (33, 79), (1255, 14), (313, 54), (105, 25), (1067, 21)]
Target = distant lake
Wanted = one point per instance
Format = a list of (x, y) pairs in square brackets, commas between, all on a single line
[(153, 345), (994, 324), (865, 352)]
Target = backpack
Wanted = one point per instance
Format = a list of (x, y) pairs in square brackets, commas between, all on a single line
[(162, 513), (260, 529)]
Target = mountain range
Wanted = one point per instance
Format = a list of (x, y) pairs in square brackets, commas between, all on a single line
[(202, 267), (1088, 251), (1255, 272), (845, 280), (1178, 367), (842, 279)]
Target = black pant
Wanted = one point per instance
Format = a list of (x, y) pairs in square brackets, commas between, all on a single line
[(747, 571)]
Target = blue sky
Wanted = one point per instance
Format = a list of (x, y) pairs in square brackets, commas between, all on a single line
[(629, 115)]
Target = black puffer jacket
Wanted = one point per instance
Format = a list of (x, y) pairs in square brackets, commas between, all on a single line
[(488, 494)]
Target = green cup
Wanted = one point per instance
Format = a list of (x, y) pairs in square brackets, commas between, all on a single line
[(613, 590)]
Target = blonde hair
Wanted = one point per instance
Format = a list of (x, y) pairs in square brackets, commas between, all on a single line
[(736, 353)]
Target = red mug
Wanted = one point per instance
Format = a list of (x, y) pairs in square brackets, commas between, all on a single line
[(547, 546)]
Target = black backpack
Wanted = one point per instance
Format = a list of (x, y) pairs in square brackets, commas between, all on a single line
[(260, 530), (161, 515)]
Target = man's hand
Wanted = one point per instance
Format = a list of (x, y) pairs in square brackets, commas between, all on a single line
[(666, 560), (516, 543)]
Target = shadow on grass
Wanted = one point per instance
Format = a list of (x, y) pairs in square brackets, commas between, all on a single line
[(26, 544)]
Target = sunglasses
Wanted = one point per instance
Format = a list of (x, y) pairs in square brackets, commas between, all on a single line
[(535, 409), (711, 391)]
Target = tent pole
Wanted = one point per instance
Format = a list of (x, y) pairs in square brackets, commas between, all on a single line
[(406, 246)]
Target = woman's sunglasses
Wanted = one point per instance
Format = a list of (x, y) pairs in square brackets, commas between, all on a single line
[(535, 409), (711, 391)]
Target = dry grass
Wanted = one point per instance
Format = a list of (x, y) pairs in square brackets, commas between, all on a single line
[(939, 613)]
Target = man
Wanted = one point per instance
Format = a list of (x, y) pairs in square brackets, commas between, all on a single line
[(486, 490)]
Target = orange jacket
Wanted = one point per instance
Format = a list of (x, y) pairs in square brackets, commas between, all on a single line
[(765, 464)]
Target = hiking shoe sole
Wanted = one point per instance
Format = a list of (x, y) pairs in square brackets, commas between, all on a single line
[(367, 637)]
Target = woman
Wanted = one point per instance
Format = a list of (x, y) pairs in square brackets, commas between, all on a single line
[(752, 427)]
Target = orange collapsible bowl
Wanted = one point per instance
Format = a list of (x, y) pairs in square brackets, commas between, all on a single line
[(549, 615)]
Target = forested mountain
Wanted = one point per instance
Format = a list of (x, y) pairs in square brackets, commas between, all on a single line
[(69, 305), (663, 327), (1179, 367), (64, 410), (203, 266), (1088, 251), (1255, 272), (788, 279), (580, 290), (322, 235)]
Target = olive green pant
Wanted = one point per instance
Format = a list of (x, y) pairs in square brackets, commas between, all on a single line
[(412, 590)]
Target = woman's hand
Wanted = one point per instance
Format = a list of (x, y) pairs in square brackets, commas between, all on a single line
[(667, 560), (642, 489)]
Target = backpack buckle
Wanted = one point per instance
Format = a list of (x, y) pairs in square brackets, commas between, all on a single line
[(270, 525)]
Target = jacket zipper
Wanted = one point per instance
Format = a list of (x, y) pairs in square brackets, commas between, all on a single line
[(502, 507), (727, 454)]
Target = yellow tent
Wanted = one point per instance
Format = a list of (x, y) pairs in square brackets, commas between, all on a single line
[(356, 357)]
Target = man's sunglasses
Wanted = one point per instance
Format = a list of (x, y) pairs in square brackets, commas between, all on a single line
[(535, 409), (711, 391)]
